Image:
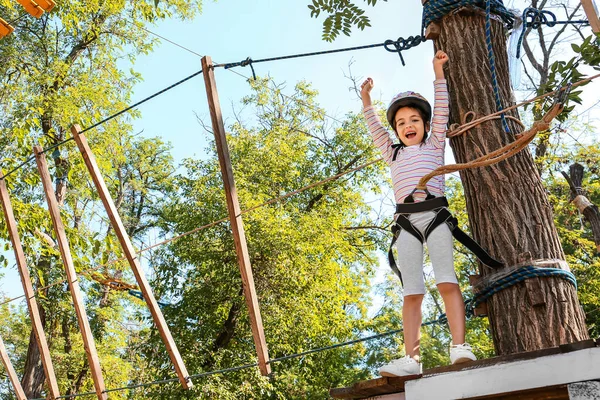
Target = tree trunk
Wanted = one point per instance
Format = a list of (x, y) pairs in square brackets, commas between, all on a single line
[(34, 375), (507, 205)]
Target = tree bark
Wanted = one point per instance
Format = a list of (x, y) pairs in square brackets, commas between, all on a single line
[(507, 205), (34, 375), (589, 210)]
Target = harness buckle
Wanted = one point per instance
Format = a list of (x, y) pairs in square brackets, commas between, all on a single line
[(452, 223)]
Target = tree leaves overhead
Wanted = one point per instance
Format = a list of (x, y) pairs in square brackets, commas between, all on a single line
[(342, 15)]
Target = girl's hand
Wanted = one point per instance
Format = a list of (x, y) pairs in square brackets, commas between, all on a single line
[(365, 91), (365, 88), (440, 58)]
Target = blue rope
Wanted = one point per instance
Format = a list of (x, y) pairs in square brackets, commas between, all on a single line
[(534, 18), (517, 276), (492, 58), (434, 10)]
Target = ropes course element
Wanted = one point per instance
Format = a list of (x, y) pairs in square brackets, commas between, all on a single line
[(394, 46), (534, 18)]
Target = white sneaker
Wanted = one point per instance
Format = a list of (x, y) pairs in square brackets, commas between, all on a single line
[(460, 353), (402, 367)]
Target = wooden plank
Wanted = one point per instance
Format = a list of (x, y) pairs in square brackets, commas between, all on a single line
[(507, 378), (235, 216), (65, 252), (34, 313), (530, 355), (389, 385), (548, 393), (373, 387), (130, 254), (591, 11), (433, 31), (12, 374)]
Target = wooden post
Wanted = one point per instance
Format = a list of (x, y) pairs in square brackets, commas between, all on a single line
[(129, 251), (235, 216), (592, 14), (65, 252), (12, 375), (34, 312), (432, 31)]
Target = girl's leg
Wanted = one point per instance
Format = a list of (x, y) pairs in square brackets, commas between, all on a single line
[(411, 317), (455, 310), (441, 249), (410, 264)]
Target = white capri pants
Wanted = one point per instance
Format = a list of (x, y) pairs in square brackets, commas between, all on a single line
[(410, 254)]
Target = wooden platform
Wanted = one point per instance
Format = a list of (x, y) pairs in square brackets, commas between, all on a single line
[(543, 374)]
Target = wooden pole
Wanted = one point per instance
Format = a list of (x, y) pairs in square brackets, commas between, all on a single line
[(129, 251), (34, 313), (65, 252), (235, 216), (12, 374), (592, 14)]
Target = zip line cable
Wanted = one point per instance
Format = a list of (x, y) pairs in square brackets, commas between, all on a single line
[(393, 46), (164, 38), (105, 120)]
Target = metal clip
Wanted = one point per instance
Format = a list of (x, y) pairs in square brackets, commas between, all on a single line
[(563, 94)]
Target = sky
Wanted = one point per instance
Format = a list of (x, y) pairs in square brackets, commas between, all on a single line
[(231, 30)]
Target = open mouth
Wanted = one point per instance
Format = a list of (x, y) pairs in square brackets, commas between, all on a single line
[(410, 135)]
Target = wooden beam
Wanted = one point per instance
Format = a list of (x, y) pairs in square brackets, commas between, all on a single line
[(12, 374), (373, 387), (235, 216), (65, 252), (130, 254), (34, 313), (433, 31), (591, 11)]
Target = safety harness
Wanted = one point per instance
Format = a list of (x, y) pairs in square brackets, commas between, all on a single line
[(437, 205)]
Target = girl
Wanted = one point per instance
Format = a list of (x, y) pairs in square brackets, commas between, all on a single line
[(409, 115)]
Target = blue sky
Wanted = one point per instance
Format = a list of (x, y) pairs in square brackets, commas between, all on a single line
[(231, 30)]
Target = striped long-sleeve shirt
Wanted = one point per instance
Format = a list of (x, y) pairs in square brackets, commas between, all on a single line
[(414, 162)]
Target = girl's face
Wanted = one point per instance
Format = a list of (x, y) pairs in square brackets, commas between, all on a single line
[(410, 127)]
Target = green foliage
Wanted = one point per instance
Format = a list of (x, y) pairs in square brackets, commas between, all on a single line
[(342, 16), (563, 73)]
